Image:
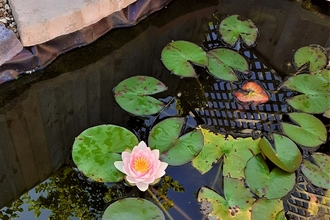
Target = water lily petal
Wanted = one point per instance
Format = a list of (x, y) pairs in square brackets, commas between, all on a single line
[(163, 165), (120, 166), (142, 186), (125, 155), (159, 173), (131, 179), (155, 153)]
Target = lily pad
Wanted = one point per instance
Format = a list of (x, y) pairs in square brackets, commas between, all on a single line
[(268, 209), (178, 57), (317, 171), (252, 92), (132, 95), (310, 132), (269, 184), (223, 63), (231, 29), (236, 153), (97, 148), (173, 149), (236, 204), (285, 153), (315, 56), (133, 208), (316, 93)]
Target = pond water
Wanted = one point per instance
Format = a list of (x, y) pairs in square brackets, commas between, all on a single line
[(48, 109)]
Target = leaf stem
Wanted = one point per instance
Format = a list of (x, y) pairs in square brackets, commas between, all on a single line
[(160, 205)]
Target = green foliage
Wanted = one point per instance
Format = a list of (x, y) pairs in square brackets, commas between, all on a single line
[(175, 150), (236, 153), (178, 57), (318, 171), (132, 95), (315, 91), (236, 203), (97, 148), (231, 29), (133, 208), (284, 154), (310, 132), (268, 209), (265, 183), (223, 63), (314, 57)]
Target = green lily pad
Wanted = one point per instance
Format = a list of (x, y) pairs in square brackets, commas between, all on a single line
[(173, 149), (319, 172), (236, 153), (133, 208), (268, 209), (310, 132), (97, 148), (237, 203), (231, 29), (315, 56), (178, 57), (325, 73), (223, 63), (271, 185), (327, 113), (285, 153), (316, 93), (132, 95)]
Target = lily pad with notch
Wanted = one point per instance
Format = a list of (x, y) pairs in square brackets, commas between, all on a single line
[(97, 148), (179, 57), (175, 149), (235, 153), (313, 56), (231, 29), (252, 92), (284, 154), (310, 131), (224, 62), (132, 94), (317, 170), (272, 184), (236, 203), (133, 208), (315, 91)]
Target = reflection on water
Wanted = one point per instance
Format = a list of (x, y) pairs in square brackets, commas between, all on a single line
[(41, 114)]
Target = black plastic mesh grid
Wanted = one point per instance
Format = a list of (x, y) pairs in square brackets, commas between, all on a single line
[(222, 111)]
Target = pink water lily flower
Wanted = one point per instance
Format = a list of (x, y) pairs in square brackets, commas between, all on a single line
[(141, 166)]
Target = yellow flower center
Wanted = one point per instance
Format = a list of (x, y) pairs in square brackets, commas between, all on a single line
[(141, 164)]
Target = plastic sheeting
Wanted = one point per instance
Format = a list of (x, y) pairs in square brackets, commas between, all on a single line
[(39, 56)]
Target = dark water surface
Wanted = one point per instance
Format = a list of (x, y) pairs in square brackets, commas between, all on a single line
[(42, 113)]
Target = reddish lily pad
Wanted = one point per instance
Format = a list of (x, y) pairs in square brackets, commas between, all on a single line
[(223, 63), (285, 153), (272, 184), (232, 29), (252, 92), (132, 94), (236, 204), (314, 56), (318, 170)]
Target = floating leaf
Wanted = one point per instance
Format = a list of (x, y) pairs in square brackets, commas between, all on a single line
[(133, 208), (272, 185), (173, 149), (236, 153), (97, 148), (310, 132), (315, 56), (231, 29), (223, 63), (237, 203), (268, 209), (132, 95), (327, 113), (285, 153), (316, 93), (317, 171), (252, 92), (178, 57)]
